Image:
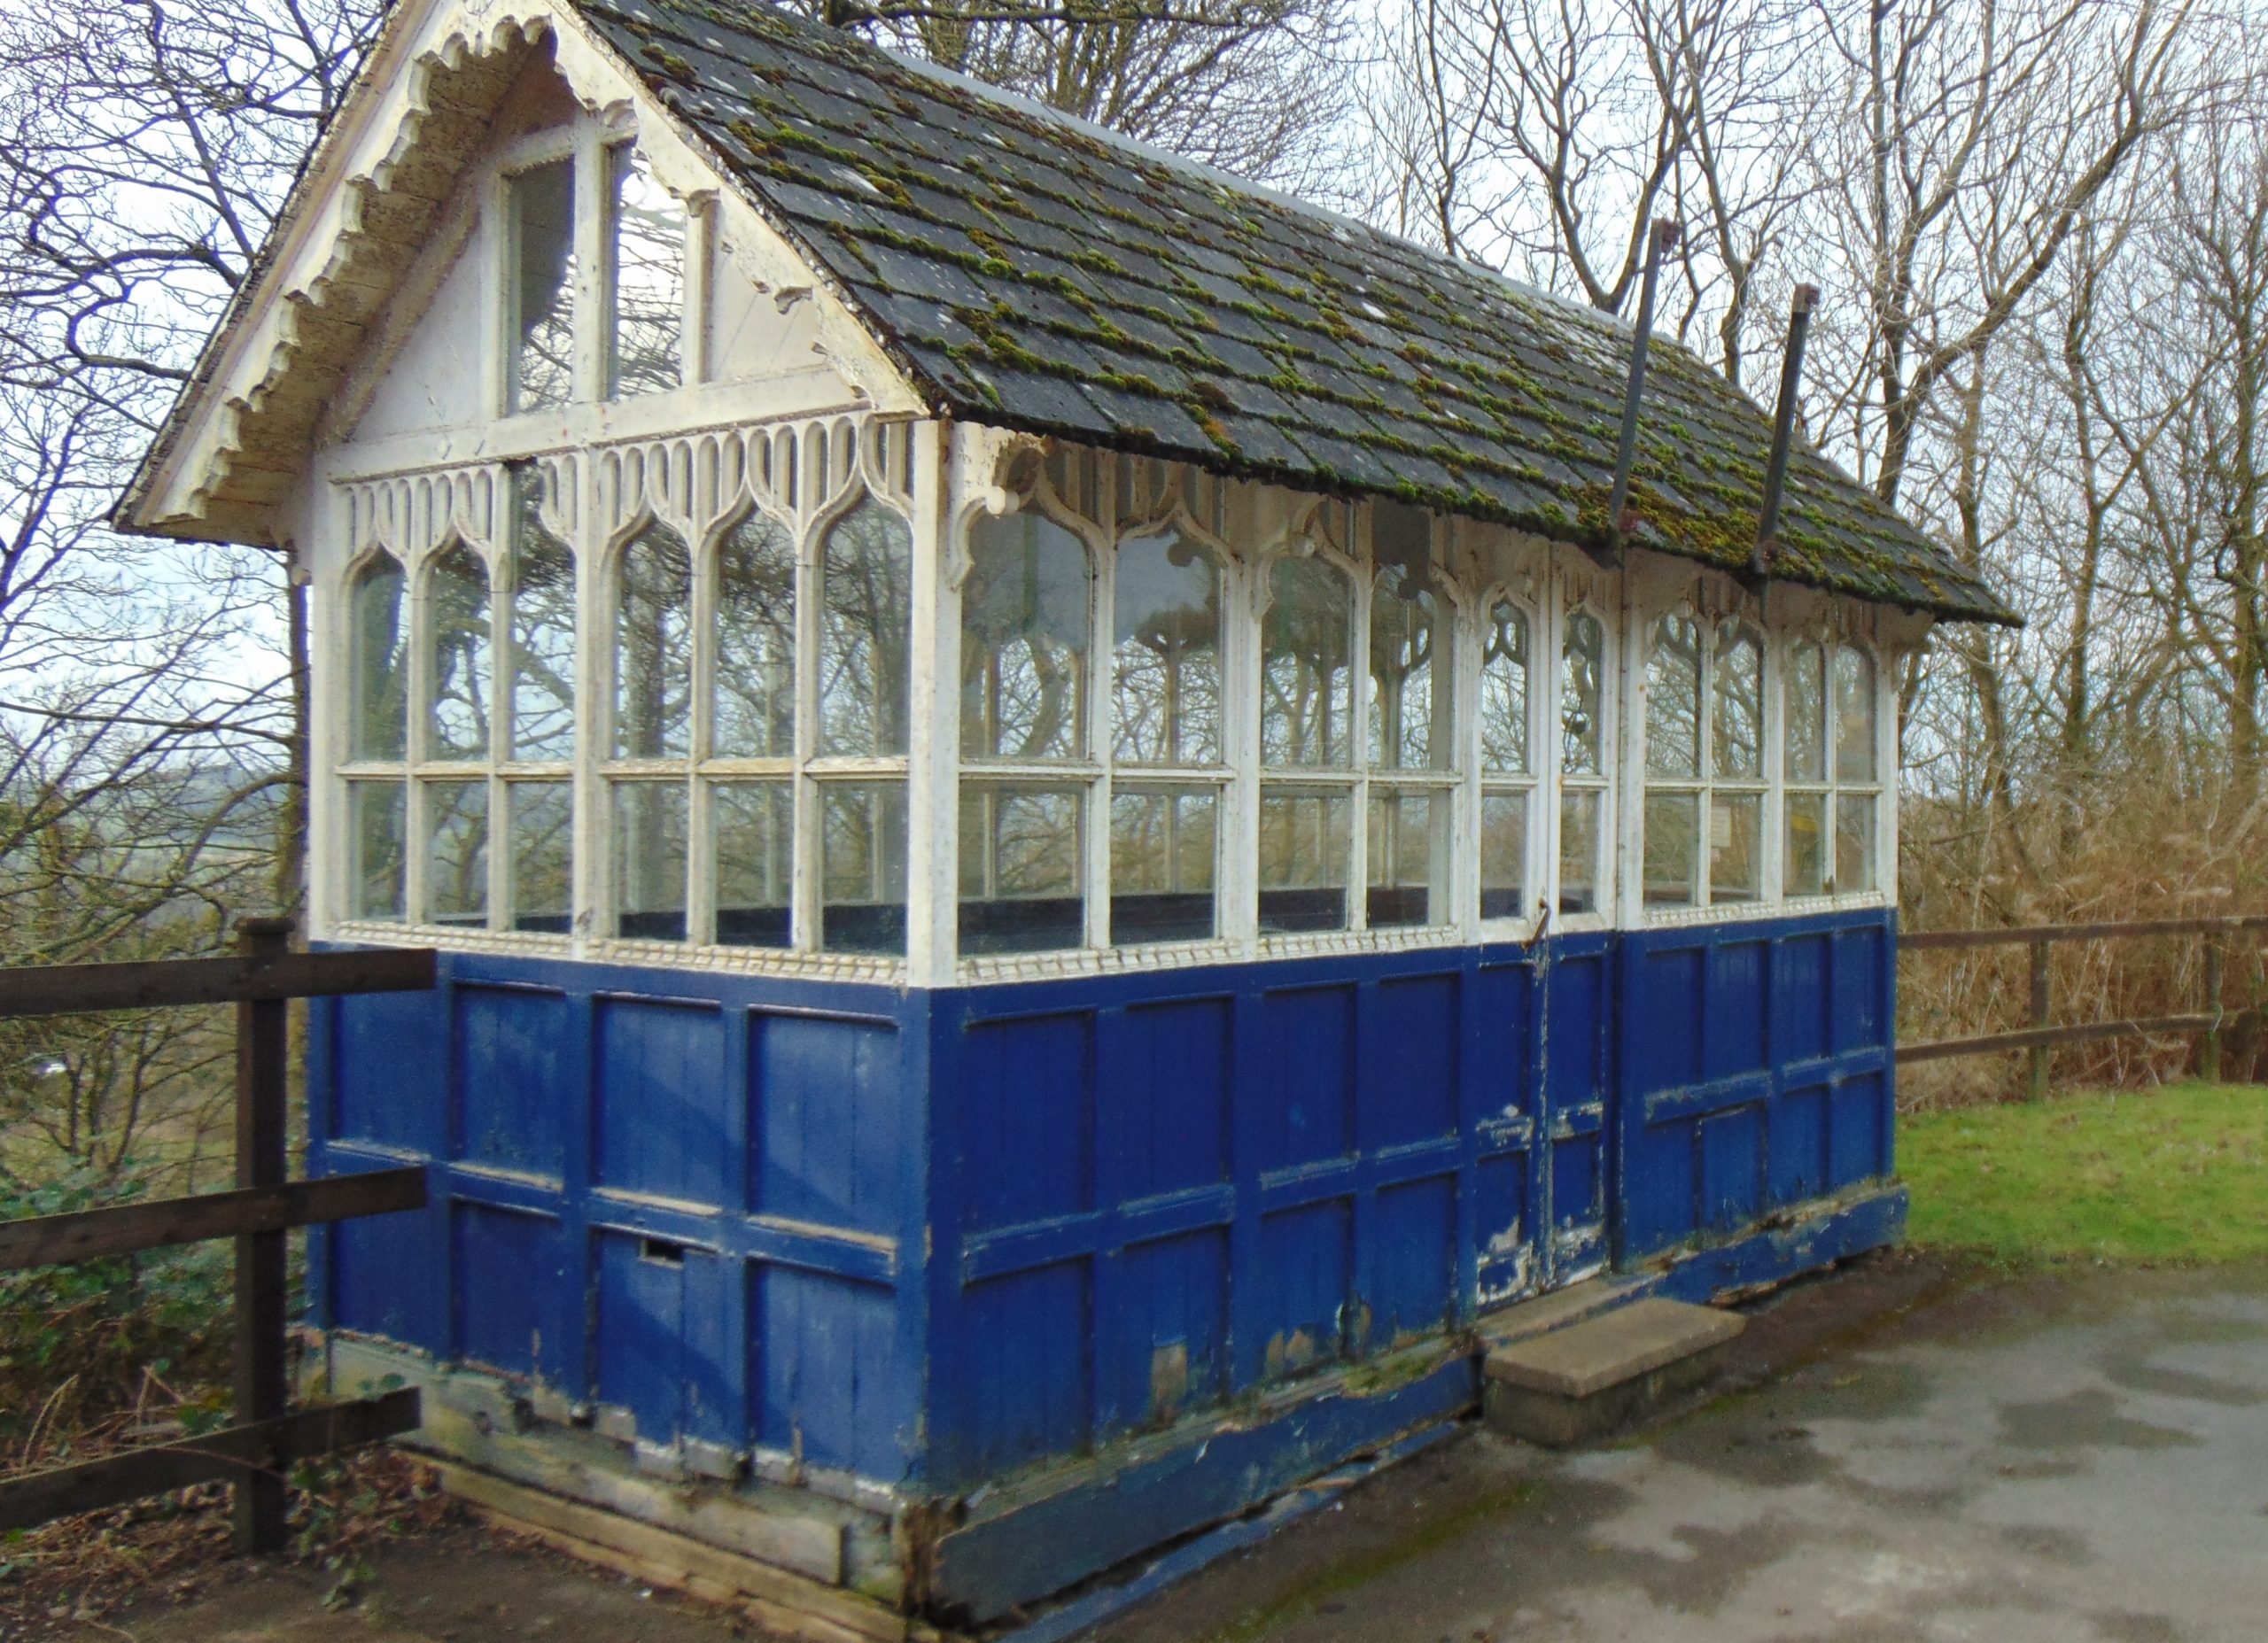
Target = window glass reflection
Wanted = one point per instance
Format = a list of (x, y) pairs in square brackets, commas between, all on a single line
[(754, 824), (457, 618), (541, 219), (542, 837), (1855, 715), (754, 708), (1305, 679), (646, 341), (542, 630), (1305, 839), (866, 633), (1166, 654), (653, 647), (1674, 698), (457, 853), (377, 669), (1406, 631), (862, 867), (1163, 844), (649, 859), (1504, 690), (1737, 742), (1024, 639), (1581, 677)]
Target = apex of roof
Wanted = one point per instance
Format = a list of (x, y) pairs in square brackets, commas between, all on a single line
[(1030, 271)]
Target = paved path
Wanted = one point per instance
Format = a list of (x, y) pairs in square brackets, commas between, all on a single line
[(2080, 1460), (2060, 1459)]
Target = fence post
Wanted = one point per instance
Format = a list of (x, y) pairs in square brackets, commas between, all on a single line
[(262, 1393), (2208, 1057), (2040, 1010)]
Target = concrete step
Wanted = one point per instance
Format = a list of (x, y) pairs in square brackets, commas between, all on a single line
[(1527, 1320), (1591, 1378)]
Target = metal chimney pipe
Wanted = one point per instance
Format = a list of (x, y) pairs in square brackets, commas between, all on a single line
[(1783, 429), (1663, 239)]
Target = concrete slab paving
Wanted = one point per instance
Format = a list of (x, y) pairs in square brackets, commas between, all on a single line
[(2077, 1458)]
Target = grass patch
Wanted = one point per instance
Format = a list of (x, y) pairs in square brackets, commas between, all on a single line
[(2171, 1176)]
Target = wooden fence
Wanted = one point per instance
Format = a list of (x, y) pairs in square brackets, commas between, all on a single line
[(261, 980), (2211, 1020)]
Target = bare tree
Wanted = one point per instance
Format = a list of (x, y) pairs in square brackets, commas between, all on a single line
[(1253, 87)]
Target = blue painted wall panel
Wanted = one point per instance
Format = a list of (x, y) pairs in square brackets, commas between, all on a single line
[(389, 1055), (1169, 1082), (508, 1074), (1409, 1045), (1026, 1391), (825, 1389), (1027, 1120), (1409, 1263), (1305, 1281), (1306, 1103), (929, 1237), (661, 1100), (509, 1269), (829, 1129), (1164, 1348)]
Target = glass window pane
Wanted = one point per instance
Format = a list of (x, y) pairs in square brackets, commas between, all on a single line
[(1807, 851), (866, 634), (1019, 869), (543, 631), (1674, 698), (376, 815), (1399, 889), (1024, 640), (1162, 857), (456, 852), (862, 867), (1504, 855), (756, 641), (649, 233), (755, 823), (378, 670), (1854, 843), (542, 225), (1579, 815), (1165, 657), (1736, 847), (1855, 715), (1305, 841), (1582, 667), (650, 831), (542, 820), (1409, 719), (1504, 690), (1673, 848), (1806, 714), (1305, 678), (1736, 740), (456, 592), (653, 647)]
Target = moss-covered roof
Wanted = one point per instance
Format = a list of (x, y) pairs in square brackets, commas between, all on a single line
[(1030, 272)]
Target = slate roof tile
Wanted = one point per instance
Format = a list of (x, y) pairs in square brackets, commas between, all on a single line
[(1028, 271)]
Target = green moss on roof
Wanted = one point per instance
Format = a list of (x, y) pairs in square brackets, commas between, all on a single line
[(1188, 284)]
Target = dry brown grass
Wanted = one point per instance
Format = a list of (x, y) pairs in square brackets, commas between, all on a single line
[(2143, 851)]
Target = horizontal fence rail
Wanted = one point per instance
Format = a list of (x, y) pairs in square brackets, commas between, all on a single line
[(71, 990), (124, 1229), (259, 979), (260, 1448), (2212, 1022)]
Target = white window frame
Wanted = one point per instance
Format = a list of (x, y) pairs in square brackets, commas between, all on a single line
[(1831, 639), (1711, 623), (1586, 591)]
